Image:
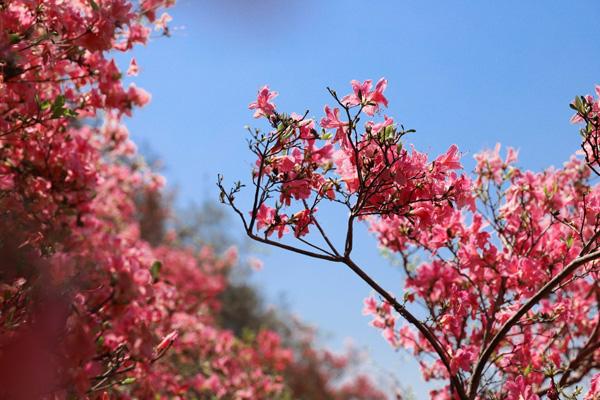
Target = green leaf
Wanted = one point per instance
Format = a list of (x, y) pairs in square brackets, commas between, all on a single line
[(14, 38), (94, 5), (389, 132), (58, 106), (578, 103), (589, 128), (70, 113), (570, 241), (155, 270), (128, 381), (45, 105), (248, 335), (58, 109)]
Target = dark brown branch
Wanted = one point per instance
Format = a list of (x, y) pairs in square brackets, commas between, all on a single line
[(265, 240), (407, 315), (500, 335)]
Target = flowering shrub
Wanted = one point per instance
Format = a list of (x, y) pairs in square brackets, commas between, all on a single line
[(509, 286), (88, 307), (322, 375)]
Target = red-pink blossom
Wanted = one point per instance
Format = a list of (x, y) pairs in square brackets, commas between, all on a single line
[(263, 105)]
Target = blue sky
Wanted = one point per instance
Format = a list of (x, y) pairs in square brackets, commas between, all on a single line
[(464, 72)]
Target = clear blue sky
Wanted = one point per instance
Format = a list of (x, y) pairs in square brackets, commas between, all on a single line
[(467, 72)]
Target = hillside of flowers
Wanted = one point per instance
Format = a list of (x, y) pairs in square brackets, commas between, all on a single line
[(93, 303)]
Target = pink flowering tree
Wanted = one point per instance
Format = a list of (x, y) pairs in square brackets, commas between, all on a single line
[(97, 300), (88, 308), (505, 305)]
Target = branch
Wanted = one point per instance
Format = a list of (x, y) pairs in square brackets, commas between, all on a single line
[(254, 236), (400, 309), (543, 292)]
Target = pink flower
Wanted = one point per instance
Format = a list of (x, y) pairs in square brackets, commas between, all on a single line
[(594, 391), (268, 218), (133, 69), (302, 220), (138, 96), (450, 160), (255, 263), (363, 95), (6, 182), (265, 217), (463, 360), (331, 120), (376, 127), (519, 389), (263, 105), (370, 306), (161, 23), (167, 341)]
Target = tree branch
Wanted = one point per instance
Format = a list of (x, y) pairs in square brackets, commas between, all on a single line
[(543, 292)]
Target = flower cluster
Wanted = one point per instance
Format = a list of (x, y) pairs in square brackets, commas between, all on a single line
[(485, 265), (369, 171)]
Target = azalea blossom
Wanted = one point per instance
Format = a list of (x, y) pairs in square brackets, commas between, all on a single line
[(502, 260)]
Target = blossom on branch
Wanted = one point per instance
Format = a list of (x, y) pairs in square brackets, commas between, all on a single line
[(504, 261)]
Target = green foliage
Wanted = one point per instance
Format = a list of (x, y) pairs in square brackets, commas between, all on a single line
[(155, 270)]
